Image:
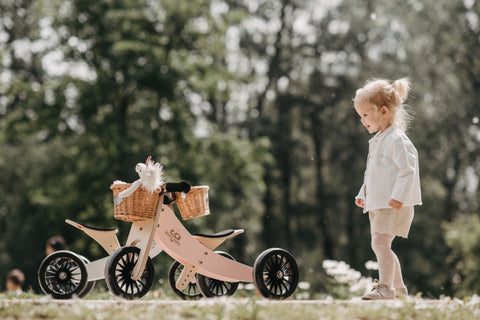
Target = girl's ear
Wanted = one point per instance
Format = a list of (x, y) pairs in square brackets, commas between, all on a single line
[(384, 110)]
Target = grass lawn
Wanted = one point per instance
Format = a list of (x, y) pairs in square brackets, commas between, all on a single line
[(104, 306)]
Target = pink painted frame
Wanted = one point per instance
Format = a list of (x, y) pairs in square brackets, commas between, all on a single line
[(177, 242)]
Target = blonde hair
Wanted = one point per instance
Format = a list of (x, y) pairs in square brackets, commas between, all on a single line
[(380, 92)]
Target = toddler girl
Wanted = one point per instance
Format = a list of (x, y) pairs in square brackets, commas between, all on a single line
[(391, 185)]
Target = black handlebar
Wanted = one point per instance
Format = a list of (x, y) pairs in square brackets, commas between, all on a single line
[(182, 186)]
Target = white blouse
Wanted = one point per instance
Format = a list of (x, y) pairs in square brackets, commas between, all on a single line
[(392, 171)]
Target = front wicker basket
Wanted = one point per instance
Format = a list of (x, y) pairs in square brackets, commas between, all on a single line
[(194, 204), (140, 205)]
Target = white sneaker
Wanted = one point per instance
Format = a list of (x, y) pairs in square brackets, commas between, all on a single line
[(401, 292), (379, 292)]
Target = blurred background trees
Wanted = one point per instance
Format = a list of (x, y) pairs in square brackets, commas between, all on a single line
[(250, 97)]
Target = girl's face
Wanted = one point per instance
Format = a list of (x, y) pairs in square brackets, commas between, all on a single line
[(371, 119)]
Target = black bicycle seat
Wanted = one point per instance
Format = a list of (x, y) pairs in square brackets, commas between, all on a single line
[(220, 234), (95, 228)]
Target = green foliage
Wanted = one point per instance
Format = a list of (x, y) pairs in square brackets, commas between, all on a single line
[(462, 235)]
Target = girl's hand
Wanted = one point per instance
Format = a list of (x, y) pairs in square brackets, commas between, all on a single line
[(395, 204), (360, 203)]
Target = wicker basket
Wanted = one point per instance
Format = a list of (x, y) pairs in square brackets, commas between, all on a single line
[(195, 204), (140, 205)]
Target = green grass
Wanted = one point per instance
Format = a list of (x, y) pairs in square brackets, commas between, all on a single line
[(105, 306)]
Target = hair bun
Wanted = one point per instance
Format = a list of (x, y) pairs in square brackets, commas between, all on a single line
[(401, 87)]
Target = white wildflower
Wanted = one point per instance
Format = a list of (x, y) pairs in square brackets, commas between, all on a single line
[(304, 285), (371, 265), (362, 285)]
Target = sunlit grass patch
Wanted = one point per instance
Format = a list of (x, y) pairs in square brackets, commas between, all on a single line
[(31, 306)]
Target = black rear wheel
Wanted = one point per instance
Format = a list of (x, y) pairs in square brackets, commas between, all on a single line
[(90, 284), (276, 274), (211, 287), (62, 274)]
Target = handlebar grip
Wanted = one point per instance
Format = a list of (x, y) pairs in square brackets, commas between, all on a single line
[(182, 186)]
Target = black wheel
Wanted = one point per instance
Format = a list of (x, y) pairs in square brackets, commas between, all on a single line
[(88, 289), (62, 274), (275, 274), (118, 272), (210, 287), (191, 292), (90, 284)]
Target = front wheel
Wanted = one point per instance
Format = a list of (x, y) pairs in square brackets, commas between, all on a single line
[(211, 287), (63, 274), (191, 291), (275, 274), (118, 274)]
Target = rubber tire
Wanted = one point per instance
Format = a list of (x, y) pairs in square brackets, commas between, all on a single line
[(118, 270), (62, 274), (88, 289), (90, 284), (191, 292), (210, 287), (275, 274)]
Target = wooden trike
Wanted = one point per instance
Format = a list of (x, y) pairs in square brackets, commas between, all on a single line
[(197, 271)]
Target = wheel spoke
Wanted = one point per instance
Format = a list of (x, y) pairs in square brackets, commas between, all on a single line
[(210, 285), (217, 287), (136, 284), (226, 286), (192, 289)]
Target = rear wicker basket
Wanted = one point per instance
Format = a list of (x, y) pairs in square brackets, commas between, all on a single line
[(194, 204), (140, 205)]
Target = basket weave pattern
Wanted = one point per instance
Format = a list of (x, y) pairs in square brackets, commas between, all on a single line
[(195, 204), (140, 205)]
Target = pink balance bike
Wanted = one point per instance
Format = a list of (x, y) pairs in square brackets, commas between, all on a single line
[(198, 270)]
